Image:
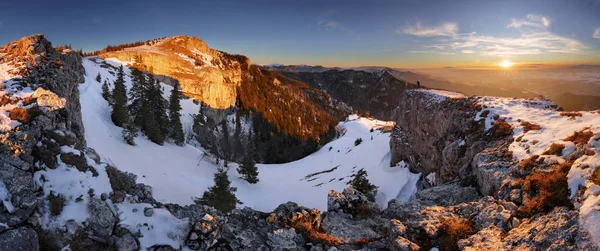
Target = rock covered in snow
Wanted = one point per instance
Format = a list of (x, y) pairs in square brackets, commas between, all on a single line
[(350, 201)]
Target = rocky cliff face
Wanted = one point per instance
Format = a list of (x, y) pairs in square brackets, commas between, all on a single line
[(436, 134), (203, 73), (41, 97)]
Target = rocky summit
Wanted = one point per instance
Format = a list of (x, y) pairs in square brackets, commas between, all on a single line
[(292, 171)]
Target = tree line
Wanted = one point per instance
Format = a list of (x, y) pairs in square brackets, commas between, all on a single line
[(143, 109)]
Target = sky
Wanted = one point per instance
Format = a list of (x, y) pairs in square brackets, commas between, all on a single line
[(403, 34)]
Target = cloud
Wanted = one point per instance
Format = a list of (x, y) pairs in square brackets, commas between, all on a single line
[(596, 32), (434, 52), (333, 25), (534, 38), (535, 21), (446, 29)]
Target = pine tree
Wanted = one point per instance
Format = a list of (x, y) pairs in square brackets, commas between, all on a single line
[(174, 108), (119, 95), (158, 108), (220, 196), (138, 107), (362, 184), (238, 148), (225, 145), (248, 169), (129, 133), (98, 78), (106, 92)]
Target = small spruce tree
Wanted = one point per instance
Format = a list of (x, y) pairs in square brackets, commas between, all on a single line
[(248, 169), (220, 196), (129, 133), (362, 184), (106, 92), (174, 116), (119, 114), (98, 78)]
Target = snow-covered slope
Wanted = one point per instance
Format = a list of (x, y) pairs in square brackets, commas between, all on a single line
[(179, 174)]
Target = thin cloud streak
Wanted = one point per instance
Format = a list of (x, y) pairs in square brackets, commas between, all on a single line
[(535, 38), (596, 33), (446, 29)]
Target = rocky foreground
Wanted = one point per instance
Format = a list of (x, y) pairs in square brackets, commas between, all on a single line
[(482, 187)]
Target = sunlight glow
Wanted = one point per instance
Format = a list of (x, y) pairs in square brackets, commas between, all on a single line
[(506, 64)]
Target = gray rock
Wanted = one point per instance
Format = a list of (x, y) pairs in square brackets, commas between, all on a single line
[(127, 242), (20, 187), (101, 222), (20, 239), (148, 211), (350, 230), (448, 194), (285, 239), (350, 201)]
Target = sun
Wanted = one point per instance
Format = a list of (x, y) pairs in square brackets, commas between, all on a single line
[(506, 64)]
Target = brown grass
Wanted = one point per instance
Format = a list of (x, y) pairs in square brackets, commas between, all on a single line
[(501, 128), (452, 230), (529, 163), (528, 126), (555, 149), (572, 115), (23, 115), (29, 100), (57, 202), (596, 176), (580, 137), (548, 189), (312, 234), (5, 100)]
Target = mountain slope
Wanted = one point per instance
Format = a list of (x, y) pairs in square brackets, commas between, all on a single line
[(285, 116), (375, 92)]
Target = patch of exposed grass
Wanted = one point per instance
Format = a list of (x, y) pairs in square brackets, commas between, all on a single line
[(547, 189), (571, 115), (501, 128), (580, 137), (528, 126), (555, 149), (452, 230)]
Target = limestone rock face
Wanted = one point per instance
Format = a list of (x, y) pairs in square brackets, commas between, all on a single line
[(49, 99), (203, 73), (435, 135)]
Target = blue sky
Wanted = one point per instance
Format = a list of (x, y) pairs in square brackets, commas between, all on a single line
[(330, 33)]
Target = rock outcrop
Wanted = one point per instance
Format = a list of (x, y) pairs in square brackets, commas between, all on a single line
[(206, 74), (55, 76), (436, 134)]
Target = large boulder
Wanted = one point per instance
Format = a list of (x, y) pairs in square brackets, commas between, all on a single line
[(101, 222), (20, 239)]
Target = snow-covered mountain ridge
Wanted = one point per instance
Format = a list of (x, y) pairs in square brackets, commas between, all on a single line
[(70, 181)]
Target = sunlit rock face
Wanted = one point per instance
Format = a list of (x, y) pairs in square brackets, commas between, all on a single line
[(205, 74)]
